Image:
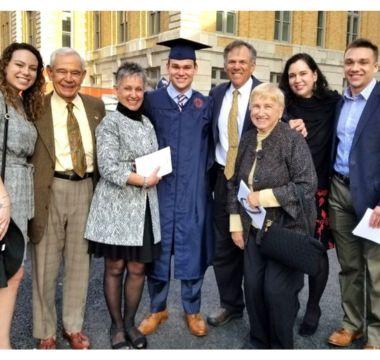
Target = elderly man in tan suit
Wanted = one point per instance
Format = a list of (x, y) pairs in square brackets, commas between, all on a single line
[(65, 169)]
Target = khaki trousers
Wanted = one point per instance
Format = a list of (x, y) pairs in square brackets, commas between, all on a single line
[(354, 253), (62, 240)]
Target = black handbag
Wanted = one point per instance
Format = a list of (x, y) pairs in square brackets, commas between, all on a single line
[(298, 251), (12, 246)]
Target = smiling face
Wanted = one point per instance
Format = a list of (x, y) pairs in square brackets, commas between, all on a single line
[(302, 79), (130, 91), (21, 71), (360, 67), (181, 73), (239, 66), (265, 113), (67, 75)]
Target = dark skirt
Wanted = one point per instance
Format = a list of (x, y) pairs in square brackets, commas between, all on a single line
[(322, 226), (142, 254)]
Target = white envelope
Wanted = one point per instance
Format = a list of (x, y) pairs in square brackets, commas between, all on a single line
[(363, 230), (147, 163), (258, 214)]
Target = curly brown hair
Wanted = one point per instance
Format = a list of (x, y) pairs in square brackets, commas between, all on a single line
[(32, 98)]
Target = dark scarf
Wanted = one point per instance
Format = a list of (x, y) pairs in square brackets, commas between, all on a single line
[(318, 115), (132, 114)]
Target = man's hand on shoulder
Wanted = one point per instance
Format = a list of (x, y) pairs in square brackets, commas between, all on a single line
[(298, 125)]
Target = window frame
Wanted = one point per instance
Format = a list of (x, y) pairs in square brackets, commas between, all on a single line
[(224, 14), (281, 23), (350, 35), (321, 29), (97, 29), (122, 27), (66, 33), (154, 23)]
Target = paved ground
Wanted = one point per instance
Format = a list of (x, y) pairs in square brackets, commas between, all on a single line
[(173, 334)]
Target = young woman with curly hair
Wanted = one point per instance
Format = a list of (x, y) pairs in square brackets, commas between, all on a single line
[(21, 95)]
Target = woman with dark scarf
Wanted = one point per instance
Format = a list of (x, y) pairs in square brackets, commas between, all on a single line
[(309, 98), (123, 225)]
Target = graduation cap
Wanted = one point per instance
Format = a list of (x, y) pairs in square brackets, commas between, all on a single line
[(183, 49)]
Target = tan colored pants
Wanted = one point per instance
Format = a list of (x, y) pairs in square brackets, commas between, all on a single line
[(354, 253), (62, 240)]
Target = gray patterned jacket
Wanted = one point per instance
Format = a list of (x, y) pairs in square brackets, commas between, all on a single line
[(284, 161), (22, 137), (117, 210)]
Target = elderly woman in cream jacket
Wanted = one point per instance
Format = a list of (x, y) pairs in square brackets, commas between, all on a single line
[(123, 225), (272, 159)]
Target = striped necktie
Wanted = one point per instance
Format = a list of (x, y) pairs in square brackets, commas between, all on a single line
[(181, 101), (233, 137), (78, 156)]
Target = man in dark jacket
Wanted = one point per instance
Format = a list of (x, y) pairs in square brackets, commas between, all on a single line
[(355, 188)]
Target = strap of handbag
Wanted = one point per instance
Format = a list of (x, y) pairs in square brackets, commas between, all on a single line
[(5, 140), (4, 157), (301, 199)]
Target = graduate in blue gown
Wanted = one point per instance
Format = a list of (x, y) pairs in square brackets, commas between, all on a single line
[(181, 117)]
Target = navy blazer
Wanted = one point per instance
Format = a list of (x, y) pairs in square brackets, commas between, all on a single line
[(217, 93), (364, 157)]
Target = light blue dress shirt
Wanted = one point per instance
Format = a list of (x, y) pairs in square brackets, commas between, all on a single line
[(348, 121), (173, 93)]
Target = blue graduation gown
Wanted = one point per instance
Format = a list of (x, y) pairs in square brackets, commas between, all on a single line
[(184, 195)]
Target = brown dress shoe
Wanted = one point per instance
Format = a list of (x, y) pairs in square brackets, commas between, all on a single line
[(150, 324), (47, 344), (196, 324), (344, 337), (371, 347), (77, 341)]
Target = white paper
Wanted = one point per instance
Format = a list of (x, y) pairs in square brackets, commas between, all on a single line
[(363, 230), (161, 158), (257, 214)]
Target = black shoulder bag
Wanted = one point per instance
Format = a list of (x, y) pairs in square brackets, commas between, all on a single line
[(299, 251), (12, 246)]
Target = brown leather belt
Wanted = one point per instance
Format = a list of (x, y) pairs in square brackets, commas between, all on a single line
[(71, 175), (343, 179)]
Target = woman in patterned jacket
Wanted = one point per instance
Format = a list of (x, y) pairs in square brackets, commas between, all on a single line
[(21, 88), (123, 224)]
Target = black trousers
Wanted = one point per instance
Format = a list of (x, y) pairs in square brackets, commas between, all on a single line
[(228, 259), (271, 294)]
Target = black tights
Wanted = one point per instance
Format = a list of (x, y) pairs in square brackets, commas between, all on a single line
[(317, 285), (133, 287)]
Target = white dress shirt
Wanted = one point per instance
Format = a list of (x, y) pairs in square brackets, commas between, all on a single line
[(243, 101), (61, 139)]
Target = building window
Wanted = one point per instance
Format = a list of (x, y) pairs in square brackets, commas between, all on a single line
[(352, 26), (96, 79), (122, 19), (5, 35), (275, 77), (321, 25), (218, 76), (282, 23), (97, 27), (154, 22), (153, 74), (31, 22), (226, 22), (66, 28)]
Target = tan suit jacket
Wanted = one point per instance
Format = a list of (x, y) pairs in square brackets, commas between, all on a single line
[(43, 160)]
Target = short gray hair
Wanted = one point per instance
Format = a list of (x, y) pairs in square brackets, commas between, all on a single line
[(267, 90), (236, 44), (63, 51), (130, 69)]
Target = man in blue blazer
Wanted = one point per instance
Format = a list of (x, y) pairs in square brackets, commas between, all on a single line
[(356, 187), (239, 63)]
